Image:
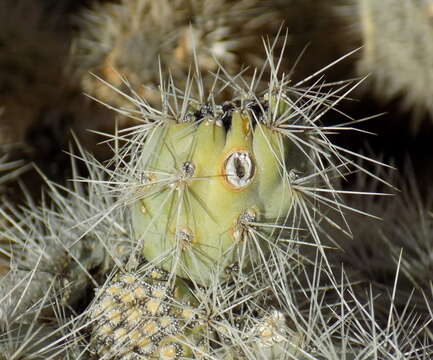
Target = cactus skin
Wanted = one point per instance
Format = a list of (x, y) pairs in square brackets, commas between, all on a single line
[(204, 184)]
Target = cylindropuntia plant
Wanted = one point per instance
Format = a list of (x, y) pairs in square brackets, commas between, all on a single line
[(220, 191), (217, 193)]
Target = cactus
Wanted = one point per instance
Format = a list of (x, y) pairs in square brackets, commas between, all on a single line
[(402, 237), (51, 239), (397, 51), (205, 184), (241, 178), (23, 333), (120, 42)]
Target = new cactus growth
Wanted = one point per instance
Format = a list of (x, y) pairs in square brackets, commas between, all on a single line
[(145, 314)]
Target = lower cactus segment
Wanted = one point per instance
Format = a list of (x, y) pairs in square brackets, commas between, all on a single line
[(138, 317), (148, 316), (207, 182)]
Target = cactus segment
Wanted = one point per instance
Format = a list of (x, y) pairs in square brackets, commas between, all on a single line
[(208, 182)]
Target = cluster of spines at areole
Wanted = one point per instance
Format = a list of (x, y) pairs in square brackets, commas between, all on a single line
[(203, 238)]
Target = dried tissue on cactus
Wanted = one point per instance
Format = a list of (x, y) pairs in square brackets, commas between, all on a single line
[(192, 235)]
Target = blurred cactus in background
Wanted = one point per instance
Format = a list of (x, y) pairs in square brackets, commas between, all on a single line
[(40, 102), (30, 80), (126, 43)]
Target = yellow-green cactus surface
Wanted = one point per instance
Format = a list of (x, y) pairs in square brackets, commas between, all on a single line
[(206, 184)]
